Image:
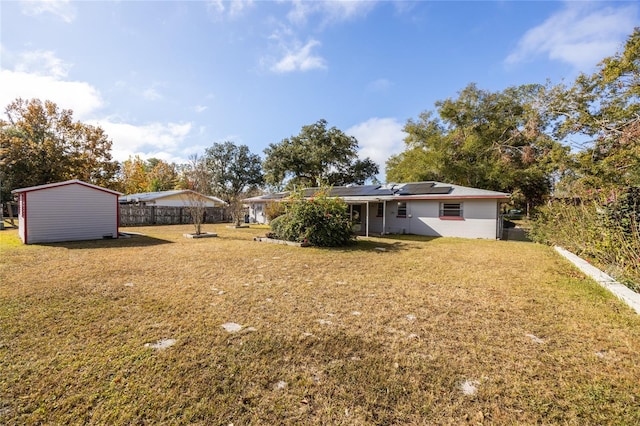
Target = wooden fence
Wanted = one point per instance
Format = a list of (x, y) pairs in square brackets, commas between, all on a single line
[(137, 215)]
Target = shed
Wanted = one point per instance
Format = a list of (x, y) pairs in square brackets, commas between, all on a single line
[(67, 211)]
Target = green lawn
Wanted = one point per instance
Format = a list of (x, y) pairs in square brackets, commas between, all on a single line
[(390, 331)]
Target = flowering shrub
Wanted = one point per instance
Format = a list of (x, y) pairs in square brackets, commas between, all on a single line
[(320, 221), (603, 227)]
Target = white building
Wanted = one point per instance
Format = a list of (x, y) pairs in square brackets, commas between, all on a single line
[(67, 211), (420, 208), (176, 198)]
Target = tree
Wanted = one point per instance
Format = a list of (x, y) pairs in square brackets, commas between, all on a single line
[(482, 139), (603, 111), (163, 176), (317, 156), (134, 176), (198, 184), (233, 171), (40, 144), (151, 175), (425, 153), (321, 220)]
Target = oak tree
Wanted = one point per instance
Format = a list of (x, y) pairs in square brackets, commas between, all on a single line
[(483, 139), (233, 171), (316, 156), (41, 143), (601, 113)]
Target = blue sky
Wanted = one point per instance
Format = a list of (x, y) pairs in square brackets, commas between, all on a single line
[(168, 79)]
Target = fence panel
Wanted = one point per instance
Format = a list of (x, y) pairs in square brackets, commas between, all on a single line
[(140, 215)]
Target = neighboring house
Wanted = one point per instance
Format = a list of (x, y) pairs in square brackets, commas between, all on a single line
[(421, 208), (67, 211), (177, 198)]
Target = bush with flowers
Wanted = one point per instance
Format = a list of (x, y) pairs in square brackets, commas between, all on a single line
[(320, 220)]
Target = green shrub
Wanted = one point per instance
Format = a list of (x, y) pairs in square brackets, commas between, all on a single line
[(274, 209), (319, 221), (602, 227)]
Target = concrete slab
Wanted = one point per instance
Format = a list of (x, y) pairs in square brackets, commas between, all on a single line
[(621, 291)]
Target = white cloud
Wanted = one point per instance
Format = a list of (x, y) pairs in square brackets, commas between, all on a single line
[(151, 94), (581, 35), (379, 85), (330, 11), (232, 8), (63, 9), (42, 62), (300, 58), (200, 108), (41, 75), (379, 139), (81, 97), (150, 140)]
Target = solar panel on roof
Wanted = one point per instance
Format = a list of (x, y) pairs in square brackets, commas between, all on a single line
[(351, 191), (423, 188), (440, 190), (354, 191), (416, 188)]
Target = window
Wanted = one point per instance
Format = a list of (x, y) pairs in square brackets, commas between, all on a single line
[(451, 211), (402, 209), (380, 212)]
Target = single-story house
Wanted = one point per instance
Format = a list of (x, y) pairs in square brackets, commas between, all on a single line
[(421, 208), (176, 198), (67, 211)]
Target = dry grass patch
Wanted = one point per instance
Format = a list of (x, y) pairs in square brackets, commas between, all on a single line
[(428, 331)]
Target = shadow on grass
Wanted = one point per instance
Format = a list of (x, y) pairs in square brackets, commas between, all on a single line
[(131, 240), (408, 237), (393, 243)]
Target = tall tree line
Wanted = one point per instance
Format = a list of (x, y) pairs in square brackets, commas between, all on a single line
[(530, 140), (533, 140)]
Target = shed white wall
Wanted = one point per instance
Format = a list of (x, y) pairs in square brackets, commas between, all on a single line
[(480, 219), (21, 222), (70, 213)]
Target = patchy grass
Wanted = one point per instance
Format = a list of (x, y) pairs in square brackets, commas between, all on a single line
[(426, 331)]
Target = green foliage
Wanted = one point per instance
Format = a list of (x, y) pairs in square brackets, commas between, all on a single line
[(40, 144), (152, 175), (320, 221), (601, 226), (317, 156), (603, 109), (274, 209), (490, 140), (233, 171)]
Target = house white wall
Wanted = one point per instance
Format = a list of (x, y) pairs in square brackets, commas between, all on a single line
[(480, 219), (180, 200), (68, 213), (257, 213)]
